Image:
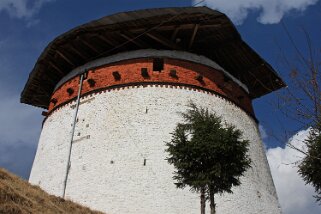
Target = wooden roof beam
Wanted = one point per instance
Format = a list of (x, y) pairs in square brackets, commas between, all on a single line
[(134, 40), (164, 41), (193, 36), (65, 58), (102, 43), (41, 96), (115, 44), (174, 34), (44, 89), (109, 41), (88, 45), (180, 27), (78, 52), (39, 93), (56, 68), (265, 84)]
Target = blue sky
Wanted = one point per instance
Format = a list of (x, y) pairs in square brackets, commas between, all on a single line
[(27, 26)]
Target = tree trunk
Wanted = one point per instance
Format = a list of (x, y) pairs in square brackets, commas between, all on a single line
[(203, 201), (212, 203)]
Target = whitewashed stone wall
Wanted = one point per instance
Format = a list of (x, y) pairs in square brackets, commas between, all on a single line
[(117, 130)]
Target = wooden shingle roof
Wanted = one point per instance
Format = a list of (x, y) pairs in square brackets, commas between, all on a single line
[(198, 30)]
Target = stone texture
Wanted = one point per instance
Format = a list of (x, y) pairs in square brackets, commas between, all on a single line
[(117, 130)]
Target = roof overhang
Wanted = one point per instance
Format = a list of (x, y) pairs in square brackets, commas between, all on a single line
[(198, 30)]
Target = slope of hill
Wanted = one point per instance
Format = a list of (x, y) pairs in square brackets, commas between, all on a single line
[(19, 197)]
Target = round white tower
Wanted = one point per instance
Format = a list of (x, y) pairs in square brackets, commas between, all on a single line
[(113, 103)]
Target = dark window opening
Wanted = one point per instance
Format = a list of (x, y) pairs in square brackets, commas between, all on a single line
[(158, 64), (116, 75), (54, 101), (70, 91), (173, 73), (199, 78), (144, 72), (91, 82)]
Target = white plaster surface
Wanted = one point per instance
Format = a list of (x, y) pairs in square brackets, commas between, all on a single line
[(127, 126)]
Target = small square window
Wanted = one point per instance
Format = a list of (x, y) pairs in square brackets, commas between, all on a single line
[(91, 82), (158, 64), (144, 72), (116, 75), (173, 73), (70, 91), (199, 78), (54, 101)]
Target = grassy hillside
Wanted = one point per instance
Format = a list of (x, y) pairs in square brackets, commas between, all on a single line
[(18, 196)]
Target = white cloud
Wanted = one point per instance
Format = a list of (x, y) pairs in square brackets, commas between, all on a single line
[(295, 197), (270, 11), (21, 8)]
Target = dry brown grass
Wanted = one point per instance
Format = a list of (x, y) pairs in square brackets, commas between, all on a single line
[(19, 197)]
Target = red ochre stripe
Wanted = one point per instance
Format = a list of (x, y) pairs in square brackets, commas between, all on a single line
[(130, 74)]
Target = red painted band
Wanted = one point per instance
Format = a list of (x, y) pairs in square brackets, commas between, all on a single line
[(175, 72)]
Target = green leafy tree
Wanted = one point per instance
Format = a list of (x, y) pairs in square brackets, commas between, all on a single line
[(310, 167), (209, 156)]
